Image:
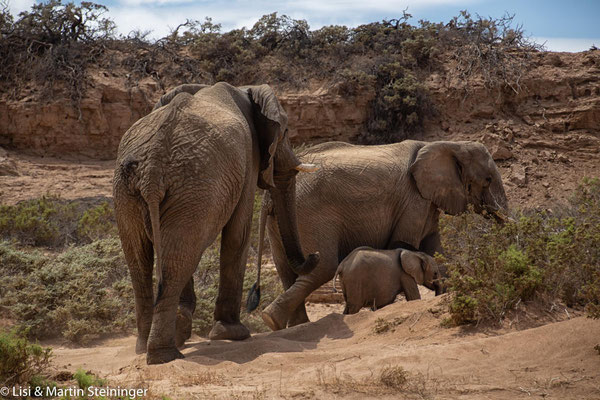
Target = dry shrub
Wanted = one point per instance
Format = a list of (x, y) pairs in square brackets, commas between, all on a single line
[(390, 58), (390, 380)]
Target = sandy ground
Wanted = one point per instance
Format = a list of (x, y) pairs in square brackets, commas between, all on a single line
[(339, 356), (69, 179)]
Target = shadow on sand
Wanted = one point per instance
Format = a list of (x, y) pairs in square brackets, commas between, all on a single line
[(296, 339)]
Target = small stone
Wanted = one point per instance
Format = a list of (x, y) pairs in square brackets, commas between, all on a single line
[(519, 178), (563, 158), (501, 152), (546, 185), (527, 119)]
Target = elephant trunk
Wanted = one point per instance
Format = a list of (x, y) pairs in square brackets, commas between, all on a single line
[(284, 204), (494, 198), (438, 288)]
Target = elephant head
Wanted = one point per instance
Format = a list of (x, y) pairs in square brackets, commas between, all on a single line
[(278, 168), (423, 269), (455, 174)]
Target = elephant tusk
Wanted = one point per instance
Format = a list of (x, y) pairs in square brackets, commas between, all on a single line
[(307, 167)]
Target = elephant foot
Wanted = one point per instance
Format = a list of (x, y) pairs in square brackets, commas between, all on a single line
[(141, 346), (297, 319), (224, 331), (183, 327), (162, 356), (274, 317)]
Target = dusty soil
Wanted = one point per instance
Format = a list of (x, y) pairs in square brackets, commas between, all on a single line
[(339, 356)]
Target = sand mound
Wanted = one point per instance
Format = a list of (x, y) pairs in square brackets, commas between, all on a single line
[(343, 356)]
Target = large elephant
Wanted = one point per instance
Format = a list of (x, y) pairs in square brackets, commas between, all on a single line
[(385, 197), (184, 173), (373, 278)]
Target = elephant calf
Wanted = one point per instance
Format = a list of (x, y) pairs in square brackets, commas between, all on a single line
[(373, 278)]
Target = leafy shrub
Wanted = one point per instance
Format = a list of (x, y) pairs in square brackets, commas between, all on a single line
[(36, 222), (97, 223), (78, 294), (52, 221), (537, 256), (21, 361), (86, 379)]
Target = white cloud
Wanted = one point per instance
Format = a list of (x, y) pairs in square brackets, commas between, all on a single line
[(158, 15), (16, 6), (567, 44)]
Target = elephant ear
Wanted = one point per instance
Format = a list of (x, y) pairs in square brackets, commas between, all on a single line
[(166, 98), (270, 121), (413, 264), (437, 171)]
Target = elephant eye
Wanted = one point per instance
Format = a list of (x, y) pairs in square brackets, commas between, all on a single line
[(488, 181)]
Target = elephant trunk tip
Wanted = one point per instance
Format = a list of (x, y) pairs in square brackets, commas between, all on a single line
[(253, 298), (309, 265)]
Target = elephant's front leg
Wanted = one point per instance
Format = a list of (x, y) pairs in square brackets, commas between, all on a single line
[(235, 240), (289, 303)]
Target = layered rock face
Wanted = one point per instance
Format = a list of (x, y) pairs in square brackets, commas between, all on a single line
[(557, 110)]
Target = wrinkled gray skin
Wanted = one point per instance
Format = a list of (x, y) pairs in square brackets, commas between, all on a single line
[(385, 197), (184, 173), (373, 278)]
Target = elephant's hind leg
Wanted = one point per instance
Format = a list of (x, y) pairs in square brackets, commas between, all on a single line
[(183, 242), (235, 240), (185, 312), (139, 255)]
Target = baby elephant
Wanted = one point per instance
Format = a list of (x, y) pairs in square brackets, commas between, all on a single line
[(373, 278)]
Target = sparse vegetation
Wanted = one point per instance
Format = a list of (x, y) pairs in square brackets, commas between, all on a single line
[(85, 291), (21, 362), (54, 222), (78, 294), (86, 379), (53, 44), (391, 379), (383, 325), (538, 256)]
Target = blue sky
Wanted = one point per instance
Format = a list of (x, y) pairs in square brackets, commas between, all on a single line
[(563, 25)]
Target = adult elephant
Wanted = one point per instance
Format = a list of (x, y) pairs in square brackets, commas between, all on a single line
[(184, 173), (384, 197)]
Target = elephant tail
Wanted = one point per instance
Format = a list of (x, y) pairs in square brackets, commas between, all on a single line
[(337, 272), (153, 210), (254, 294)]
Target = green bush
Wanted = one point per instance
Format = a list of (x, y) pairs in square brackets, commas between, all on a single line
[(86, 379), (21, 361), (53, 222), (79, 294), (97, 223), (537, 256)]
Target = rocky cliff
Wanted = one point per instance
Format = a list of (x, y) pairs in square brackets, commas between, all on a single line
[(540, 135)]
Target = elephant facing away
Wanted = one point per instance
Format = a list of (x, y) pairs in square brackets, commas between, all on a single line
[(373, 278), (184, 173), (385, 197)]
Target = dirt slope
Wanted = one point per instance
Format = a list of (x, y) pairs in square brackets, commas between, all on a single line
[(342, 357)]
